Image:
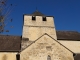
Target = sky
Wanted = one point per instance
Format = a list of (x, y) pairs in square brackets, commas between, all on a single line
[(66, 13)]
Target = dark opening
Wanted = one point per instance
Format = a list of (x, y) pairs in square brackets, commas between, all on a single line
[(33, 18), (44, 18), (25, 39), (48, 57), (74, 54), (18, 57)]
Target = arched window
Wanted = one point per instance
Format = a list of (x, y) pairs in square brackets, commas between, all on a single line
[(48, 57)]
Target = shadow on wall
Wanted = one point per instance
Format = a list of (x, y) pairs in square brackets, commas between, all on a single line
[(4, 57)]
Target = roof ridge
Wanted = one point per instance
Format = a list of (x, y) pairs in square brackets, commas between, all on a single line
[(10, 35), (37, 13)]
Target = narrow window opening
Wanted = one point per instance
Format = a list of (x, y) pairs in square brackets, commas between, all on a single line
[(44, 19), (33, 18), (48, 57), (18, 57)]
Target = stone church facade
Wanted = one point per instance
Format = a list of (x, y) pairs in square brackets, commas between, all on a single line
[(40, 41)]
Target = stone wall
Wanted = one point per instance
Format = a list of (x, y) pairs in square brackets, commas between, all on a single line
[(25, 44), (44, 47), (72, 45), (35, 32), (38, 22), (35, 29), (7, 56)]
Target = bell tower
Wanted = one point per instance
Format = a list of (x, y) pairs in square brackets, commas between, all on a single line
[(37, 24)]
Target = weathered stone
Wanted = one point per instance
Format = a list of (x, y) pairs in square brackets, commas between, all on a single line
[(38, 50), (35, 29)]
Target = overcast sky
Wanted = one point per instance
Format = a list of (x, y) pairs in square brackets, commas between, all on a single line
[(66, 13)]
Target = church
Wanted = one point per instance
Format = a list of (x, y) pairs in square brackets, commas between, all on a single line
[(40, 41)]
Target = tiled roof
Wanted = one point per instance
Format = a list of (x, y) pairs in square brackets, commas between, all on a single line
[(37, 13), (10, 43), (68, 35), (13, 43)]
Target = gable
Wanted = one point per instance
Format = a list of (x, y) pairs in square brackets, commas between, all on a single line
[(44, 46), (47, 38)]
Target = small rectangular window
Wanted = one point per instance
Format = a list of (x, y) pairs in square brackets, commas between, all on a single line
[(44, 18), (18, 57), (33, 18)]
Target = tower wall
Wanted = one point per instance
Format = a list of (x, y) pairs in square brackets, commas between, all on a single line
[(39, 21), (33, 29)]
